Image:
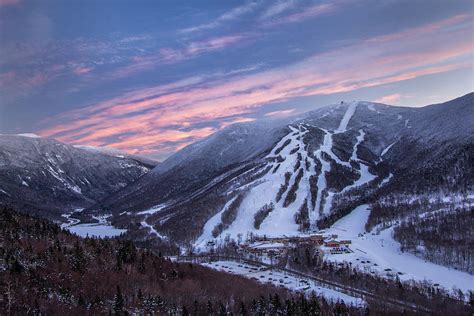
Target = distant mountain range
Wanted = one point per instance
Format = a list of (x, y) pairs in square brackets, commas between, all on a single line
[(269, 177)]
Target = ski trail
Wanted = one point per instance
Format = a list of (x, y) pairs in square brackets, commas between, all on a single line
[(347, 117), (360, 139), (326, 167), (327, 148), (210, 224), (152, 229), (387, 149)]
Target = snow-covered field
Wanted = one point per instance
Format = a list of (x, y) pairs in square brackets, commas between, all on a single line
[(283, 280), (377, 253), (95, 230), (101, 229)]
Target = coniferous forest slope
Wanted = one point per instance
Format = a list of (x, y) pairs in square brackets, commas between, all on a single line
[(47, 271)]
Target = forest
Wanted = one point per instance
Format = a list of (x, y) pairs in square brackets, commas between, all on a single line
[(45, 270)]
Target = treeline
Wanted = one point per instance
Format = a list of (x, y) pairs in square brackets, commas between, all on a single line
[(445, 237)]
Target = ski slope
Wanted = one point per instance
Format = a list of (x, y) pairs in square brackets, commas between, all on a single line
[(289, 156)]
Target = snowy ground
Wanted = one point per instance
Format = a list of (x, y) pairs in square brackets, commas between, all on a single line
[(101, 229), (95, 230), (377, 253), (283, 280)]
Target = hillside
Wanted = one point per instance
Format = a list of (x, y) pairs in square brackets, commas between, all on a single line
[(50, 178), (63, 274)]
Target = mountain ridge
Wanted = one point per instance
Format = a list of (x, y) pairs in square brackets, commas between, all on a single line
[(188, 191)]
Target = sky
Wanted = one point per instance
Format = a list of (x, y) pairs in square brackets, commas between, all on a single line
[(150, 77)]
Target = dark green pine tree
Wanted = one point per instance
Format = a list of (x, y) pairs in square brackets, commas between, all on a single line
[(243, 310), (222, 310), (184, 311), (119, 301), (210, 308)]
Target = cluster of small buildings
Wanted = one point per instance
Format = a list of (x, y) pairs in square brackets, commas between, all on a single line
[(276, 247)]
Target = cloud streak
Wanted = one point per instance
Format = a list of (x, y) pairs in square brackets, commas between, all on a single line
[(159, 120), (172, 55), (230, 15)]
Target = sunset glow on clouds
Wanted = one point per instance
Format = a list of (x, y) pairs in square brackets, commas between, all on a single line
[(155, 100)]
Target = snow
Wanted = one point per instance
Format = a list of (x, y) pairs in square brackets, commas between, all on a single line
[(347, 117), (371, 107), (29, 135), (269, 245), (387, 179), (365, 175), (5, 192), (384, 251), (96, 230), (210, 224), (281, 220), (101, 229), (71, 221), (288, 281), (152, 229), (153, 210), (387, 149), (23, 182), (103, 150)]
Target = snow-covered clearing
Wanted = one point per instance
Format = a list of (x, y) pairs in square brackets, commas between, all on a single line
[(29, 135), (101, 229), (95, 230), (152, 210), (347, 117), (283, 280), (381, 254), (152, 229), (210, 224), (387, 149)]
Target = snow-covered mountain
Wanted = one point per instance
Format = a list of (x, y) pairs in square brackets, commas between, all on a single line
[(44, 176), (302, 173)]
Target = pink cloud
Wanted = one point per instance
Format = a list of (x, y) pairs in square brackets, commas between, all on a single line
[(389, 99), (141, 119), (79, 71), (307, 13), (280, 113)]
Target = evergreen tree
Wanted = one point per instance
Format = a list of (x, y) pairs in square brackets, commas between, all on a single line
[(118, 302)]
